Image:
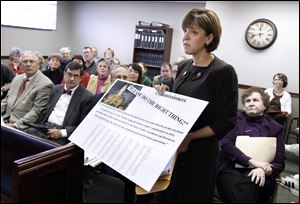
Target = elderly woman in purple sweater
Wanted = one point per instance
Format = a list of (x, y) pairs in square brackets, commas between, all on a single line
[(254, 184)]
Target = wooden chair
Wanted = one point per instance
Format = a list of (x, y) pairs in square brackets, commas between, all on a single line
[(293, 129), (272, 199)]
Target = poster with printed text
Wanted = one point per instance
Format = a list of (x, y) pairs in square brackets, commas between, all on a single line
[(136, 131)]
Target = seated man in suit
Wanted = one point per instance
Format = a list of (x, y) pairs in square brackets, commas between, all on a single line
[(28, 94), (68, 105)]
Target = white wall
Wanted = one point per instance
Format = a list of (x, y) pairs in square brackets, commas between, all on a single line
[(112, 24), (45, 42), (258, 67)]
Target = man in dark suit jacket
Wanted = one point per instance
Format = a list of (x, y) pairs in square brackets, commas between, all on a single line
[(67, 106), (7, 75)]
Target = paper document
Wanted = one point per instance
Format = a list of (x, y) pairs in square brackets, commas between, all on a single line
[(90, 160), (258, 148), (2, 121), (136, 131), (169, 166)]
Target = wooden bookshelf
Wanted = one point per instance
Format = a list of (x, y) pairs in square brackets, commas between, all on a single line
[(152, 46)]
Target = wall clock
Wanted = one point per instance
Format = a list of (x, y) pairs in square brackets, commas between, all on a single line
[(261, 34)]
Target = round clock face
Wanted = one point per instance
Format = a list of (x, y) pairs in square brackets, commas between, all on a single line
[(261, 34)]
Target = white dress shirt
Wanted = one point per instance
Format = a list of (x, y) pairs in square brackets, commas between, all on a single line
[(58, 114)]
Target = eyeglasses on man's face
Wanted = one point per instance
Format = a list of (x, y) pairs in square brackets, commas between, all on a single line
[(124, 77), (27, 61), (70, 75)]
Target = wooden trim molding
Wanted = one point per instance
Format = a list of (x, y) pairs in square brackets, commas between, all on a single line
[(4, 57), (7, 57), (244, 86)]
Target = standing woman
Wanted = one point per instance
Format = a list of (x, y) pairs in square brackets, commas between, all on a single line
[(209, 78)]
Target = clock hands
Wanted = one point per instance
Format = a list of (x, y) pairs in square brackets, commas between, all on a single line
[(256, 31), (261, 34)]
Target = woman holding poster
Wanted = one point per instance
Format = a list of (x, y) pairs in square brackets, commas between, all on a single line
[(209, 78)]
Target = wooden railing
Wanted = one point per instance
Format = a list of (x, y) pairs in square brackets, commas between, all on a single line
[(36, 170)]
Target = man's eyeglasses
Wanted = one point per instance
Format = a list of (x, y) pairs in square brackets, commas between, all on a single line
[(121, 77), (29, 61), (70, 75)]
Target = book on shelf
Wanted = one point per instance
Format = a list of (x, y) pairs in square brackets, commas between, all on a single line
[(144, 23), (159, 24), (149, 58), (149, 38), (152, 45)]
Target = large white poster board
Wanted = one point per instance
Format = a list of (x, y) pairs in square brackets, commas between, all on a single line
[(136, 131)]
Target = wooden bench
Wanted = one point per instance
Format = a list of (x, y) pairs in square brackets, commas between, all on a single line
[(37, 170)]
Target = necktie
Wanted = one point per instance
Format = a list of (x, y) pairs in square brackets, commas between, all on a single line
[(65, 91), (22, 87)]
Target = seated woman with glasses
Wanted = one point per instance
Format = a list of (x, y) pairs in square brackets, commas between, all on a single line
[(101, 82)]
